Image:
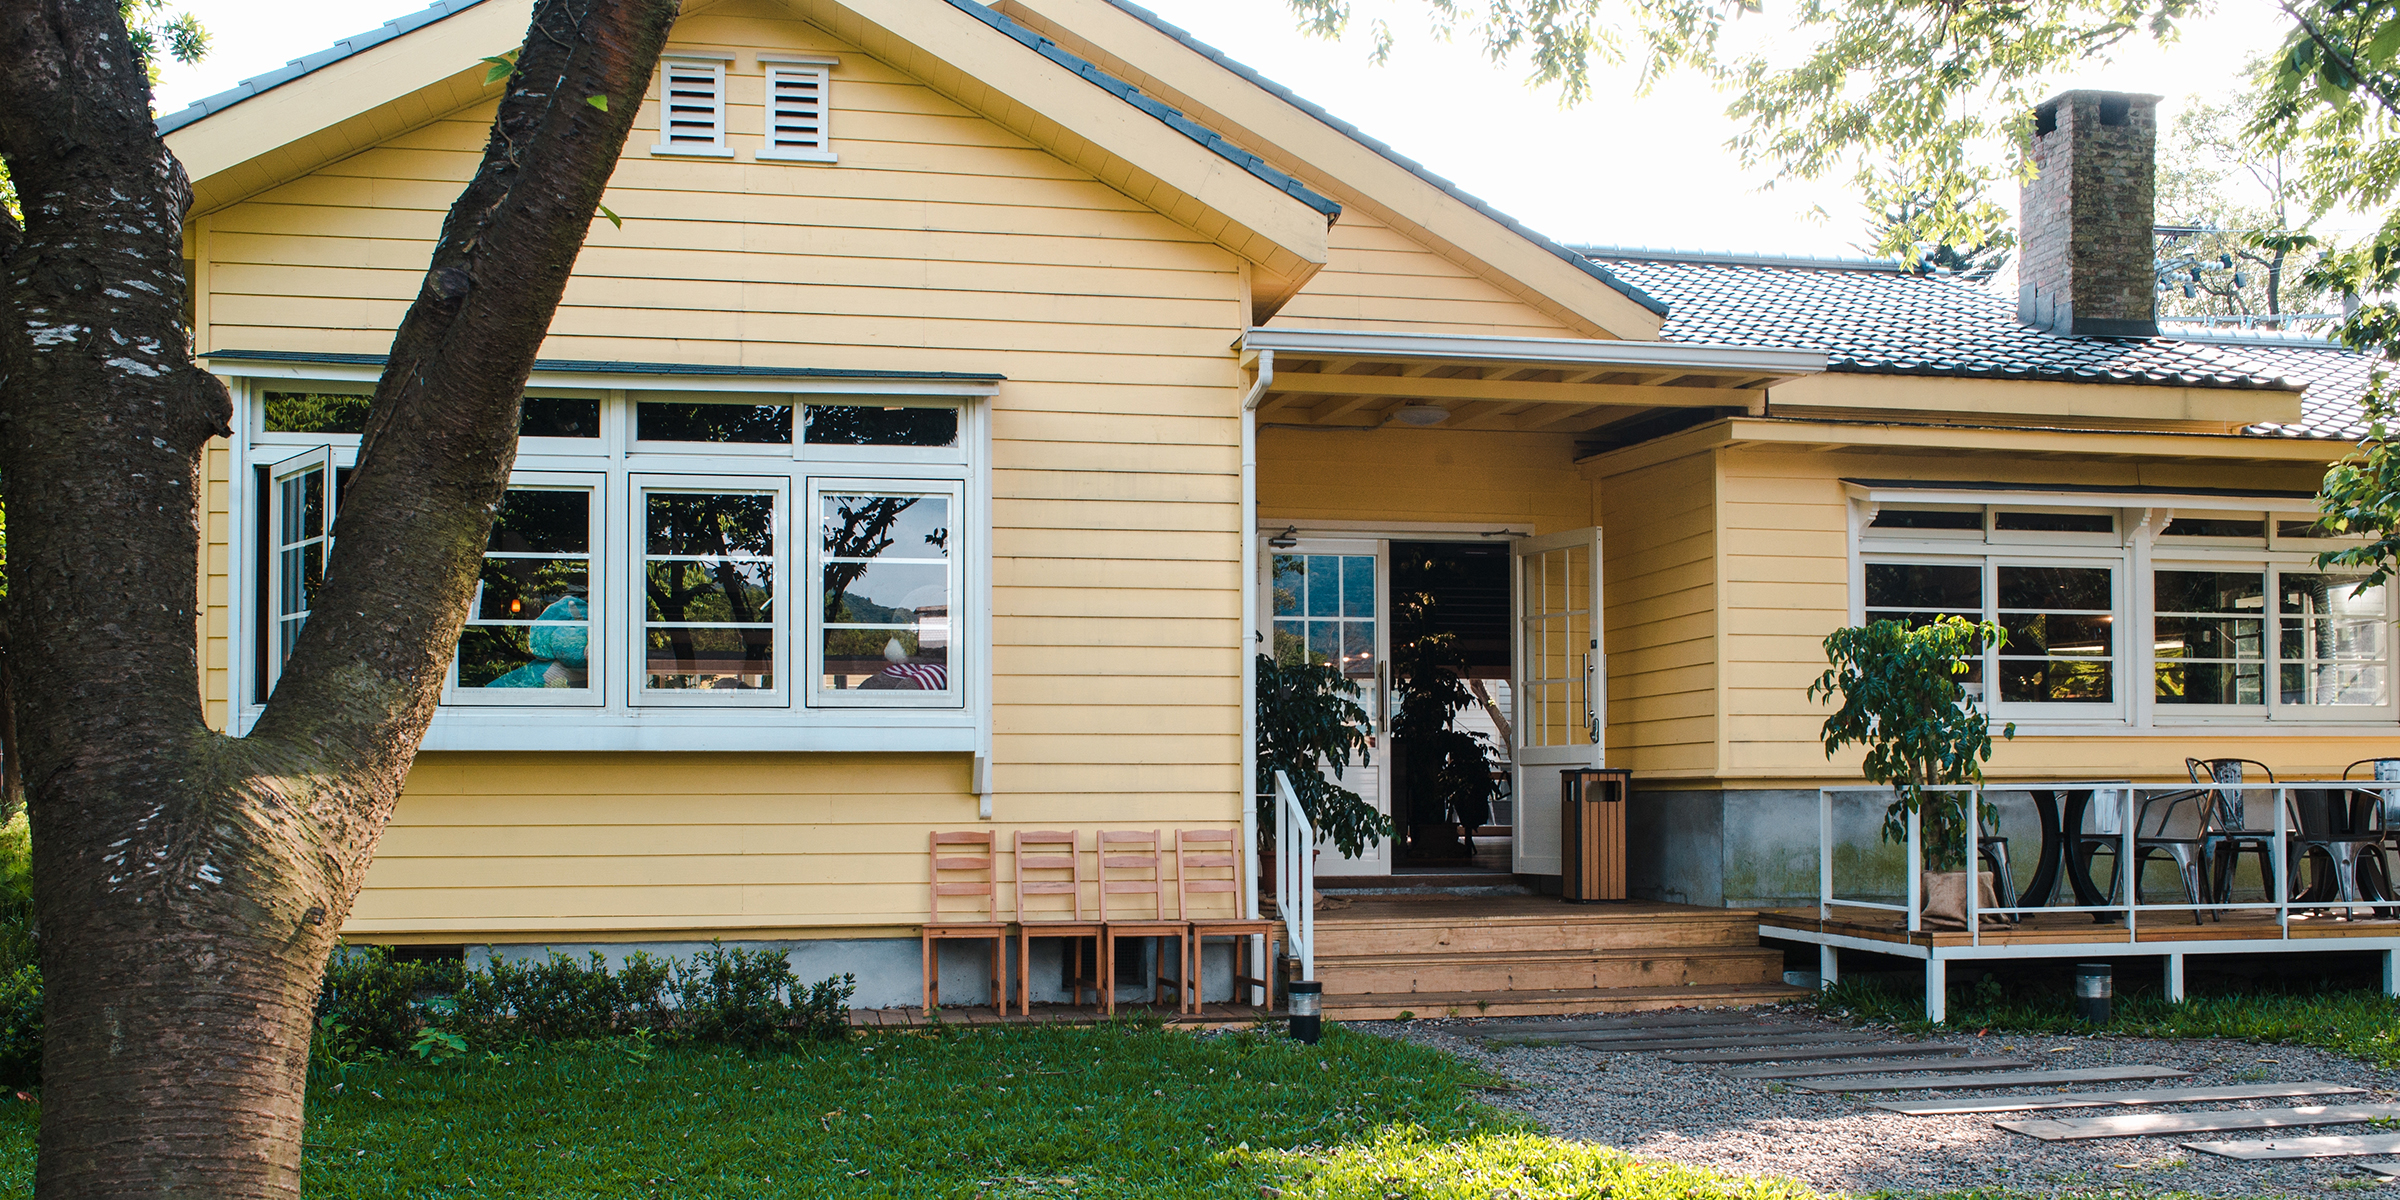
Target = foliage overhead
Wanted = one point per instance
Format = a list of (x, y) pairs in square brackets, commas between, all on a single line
[(1901, 699)]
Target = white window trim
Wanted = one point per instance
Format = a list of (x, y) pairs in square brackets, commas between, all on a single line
[(2140, 555), (960, 655), (774, 65), (963, 727), (602, 561), (691, 61)]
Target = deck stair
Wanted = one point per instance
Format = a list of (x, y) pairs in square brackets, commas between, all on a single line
[(1439, 954)]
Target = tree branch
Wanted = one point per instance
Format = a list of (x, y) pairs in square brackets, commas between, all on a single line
[(2348, 64)]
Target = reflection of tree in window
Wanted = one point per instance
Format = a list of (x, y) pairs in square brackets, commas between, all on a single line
[(861, 529), (862, 425), (711, 544), (885, 641)]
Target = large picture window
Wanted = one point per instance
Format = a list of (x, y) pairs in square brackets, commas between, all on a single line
[(641, 567), (2192, 617)]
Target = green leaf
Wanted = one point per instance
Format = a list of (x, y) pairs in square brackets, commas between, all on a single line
[(613, 218), (503, 66), (598, 102)]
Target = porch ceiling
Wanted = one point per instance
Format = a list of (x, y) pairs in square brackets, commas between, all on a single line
[(1354, 379)]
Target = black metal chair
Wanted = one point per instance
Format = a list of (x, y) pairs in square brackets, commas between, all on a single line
[(2228, 833), (2150, 839)]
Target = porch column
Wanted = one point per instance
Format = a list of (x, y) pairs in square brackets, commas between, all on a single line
[(1829, 966), (2391, 972), (1937, 988), (2175, 977)]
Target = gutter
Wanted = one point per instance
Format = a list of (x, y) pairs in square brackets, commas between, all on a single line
[(1562, 352), (1250, 635)]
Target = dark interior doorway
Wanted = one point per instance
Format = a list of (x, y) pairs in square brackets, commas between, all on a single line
[(1450, 660)]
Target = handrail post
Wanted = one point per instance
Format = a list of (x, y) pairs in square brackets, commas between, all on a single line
[(2128, 870), (1974, 862), (1916, 868), (2282, 860), (1824, 855), (1295, 853)]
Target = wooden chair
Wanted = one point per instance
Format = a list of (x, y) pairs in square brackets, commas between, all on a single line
[(1206, 866), (1051, 852), (1140, 857), (956, 874)]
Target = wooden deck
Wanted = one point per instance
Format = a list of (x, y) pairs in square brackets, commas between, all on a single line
[(2160, 929), (1211, 1016)]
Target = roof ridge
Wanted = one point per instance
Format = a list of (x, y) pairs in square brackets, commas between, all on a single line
[(1404, 162), (1743, 259), (306, 63)]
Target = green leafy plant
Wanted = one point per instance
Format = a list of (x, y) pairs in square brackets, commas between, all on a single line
[(437, 1047), (1310, 727), (1449, 769), (1901, 699)]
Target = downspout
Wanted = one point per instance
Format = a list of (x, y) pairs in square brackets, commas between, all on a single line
[(1249, 634)]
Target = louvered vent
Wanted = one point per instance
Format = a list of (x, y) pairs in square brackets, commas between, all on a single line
[(692, 113), (798, 110)]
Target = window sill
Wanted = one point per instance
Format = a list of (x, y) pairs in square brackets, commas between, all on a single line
[(801, 156), (692, 151), (859, 731), (2191, 727)]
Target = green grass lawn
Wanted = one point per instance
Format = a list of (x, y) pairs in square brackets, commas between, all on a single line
[(1116, 1111)]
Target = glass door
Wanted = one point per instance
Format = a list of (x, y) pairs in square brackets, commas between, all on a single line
[(1326, 601), (1562, 682)]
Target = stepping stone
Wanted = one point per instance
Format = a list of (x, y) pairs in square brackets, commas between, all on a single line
[(1604, 1024), (2204, 1095), (2387, 1170), (1888, 1050), (2157, 1124), (2305, 1147), (1889, 1066), (1995, 1079), (1758, 1041)]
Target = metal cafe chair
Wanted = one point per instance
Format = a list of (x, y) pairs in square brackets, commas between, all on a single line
[(2151, 839), (2226, 829), (2357, 824)]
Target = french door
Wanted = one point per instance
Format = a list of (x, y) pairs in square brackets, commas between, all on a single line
[(1562, 678), (1326, 600)]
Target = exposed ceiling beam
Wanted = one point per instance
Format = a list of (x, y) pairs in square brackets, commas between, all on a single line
[(1339, 406)]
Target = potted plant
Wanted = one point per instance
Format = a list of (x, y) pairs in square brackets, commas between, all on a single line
[(1902, 699), (1311, 727)]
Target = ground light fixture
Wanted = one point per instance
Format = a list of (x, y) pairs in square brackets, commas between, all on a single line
[(1305, 999)]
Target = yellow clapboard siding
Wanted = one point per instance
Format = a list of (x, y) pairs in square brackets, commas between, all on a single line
[(1659, 610), (1374, 277), (1139, 603)]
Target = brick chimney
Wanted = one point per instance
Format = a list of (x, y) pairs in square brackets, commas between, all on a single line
[(2085, 265)]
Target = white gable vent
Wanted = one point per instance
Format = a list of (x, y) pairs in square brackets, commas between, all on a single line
[(691, 110), (799, 108)]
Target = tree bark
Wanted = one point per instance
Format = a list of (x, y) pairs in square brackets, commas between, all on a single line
[(189, 885)]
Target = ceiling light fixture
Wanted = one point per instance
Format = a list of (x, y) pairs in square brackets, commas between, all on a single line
[(1421, 415)]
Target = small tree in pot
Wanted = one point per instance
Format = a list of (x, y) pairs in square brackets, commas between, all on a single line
[(1309, 727), (1903, 700)]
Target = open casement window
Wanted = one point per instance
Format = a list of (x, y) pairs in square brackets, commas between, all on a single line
[(799, 109), (710, 626), (884, 582), (691, 109), (301, 493), (529, 637), (2289, 643)]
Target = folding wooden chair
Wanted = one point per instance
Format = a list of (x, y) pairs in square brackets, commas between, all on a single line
[(1206, 866), (1138, 857), (957, 874), (1051, 852)]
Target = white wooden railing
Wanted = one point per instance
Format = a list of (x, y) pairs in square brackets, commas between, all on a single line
[(1296, 876)]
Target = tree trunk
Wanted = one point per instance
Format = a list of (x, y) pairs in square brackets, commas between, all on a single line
[(190, 886)]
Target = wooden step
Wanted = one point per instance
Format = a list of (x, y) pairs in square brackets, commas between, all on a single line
[(1565, 928), (1546, 970), (1558, 1003)]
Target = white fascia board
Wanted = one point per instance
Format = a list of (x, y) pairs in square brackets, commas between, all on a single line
[(590, 382), (1562, 352), (1943, 493)]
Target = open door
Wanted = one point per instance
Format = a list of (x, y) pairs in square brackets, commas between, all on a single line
[(1562, 682), (1326, 597)]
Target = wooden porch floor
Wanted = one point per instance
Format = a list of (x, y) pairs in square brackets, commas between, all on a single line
[(2150, 928), (1211, 1016)]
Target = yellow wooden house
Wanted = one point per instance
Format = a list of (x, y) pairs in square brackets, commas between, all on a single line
[(1064, 364)]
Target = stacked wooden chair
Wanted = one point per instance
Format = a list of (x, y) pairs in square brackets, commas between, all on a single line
[(1145, 888)]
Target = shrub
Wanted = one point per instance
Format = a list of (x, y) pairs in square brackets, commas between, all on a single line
[(751, 998), (377, 1002), (560, 999), (21, 1027)]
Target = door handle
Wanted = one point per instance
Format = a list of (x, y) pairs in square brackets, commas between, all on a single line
[(1382, 707), (1591, 692)]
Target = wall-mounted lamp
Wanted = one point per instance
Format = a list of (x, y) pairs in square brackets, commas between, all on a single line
[(1289, 538)]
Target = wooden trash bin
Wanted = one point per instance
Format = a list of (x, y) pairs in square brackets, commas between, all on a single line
[(1592, 833)]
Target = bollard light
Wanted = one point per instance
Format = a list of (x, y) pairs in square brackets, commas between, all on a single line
[(1306, 1000), (2094, 988)]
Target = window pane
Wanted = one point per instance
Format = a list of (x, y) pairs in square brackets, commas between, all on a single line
[(2084, 588), (2055, 654), (1291, 583), (1358, 585), (2216, 527), (540, 521), (1325, 585), (1358, 648), (885, 527), (2048, 522), (884, 593), (2330, 595), (317, 412), (2212, 592), (1291, 643), (530, 622), (2210, 682), (2040, 635), (1926, 518), (559, 417), (2302, 529), (711, 523), (2055, 681), (2212, 637), (709, 591), (886, 582), (710, 659), (676, 421), (865, 425), (1923, 586), (527, 589)]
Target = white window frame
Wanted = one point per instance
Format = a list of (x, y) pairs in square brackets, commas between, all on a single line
[(960, 652), (2137, 553), (640, 486), (602, 560), (322, 460), (692, 64), (897, 722), (778, 69)]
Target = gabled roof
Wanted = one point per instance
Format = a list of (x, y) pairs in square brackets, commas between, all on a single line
[(280, 126)]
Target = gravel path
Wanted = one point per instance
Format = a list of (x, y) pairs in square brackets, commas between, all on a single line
[(1696, 1114)]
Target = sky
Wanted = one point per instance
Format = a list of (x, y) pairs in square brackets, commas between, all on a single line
[(1620, 169)]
